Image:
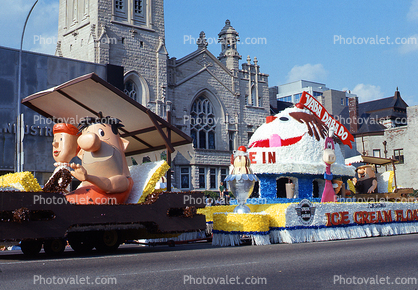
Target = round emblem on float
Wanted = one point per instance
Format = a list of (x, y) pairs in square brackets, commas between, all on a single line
[(305, 211)]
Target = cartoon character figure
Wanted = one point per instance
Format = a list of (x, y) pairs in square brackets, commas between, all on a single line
[(367, 182), (241, 162), (104, 171), (64, 149), (329, 158), (241, 181), (280, 130)]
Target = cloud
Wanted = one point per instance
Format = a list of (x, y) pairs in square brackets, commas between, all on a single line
[(413, 11), (44, 43), (367, 93), (307, 72), (410, 44)]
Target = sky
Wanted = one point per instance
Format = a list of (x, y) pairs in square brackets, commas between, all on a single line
[(367, 47)]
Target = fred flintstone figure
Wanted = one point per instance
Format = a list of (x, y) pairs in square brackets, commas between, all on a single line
[(104, 173), (367, 182)]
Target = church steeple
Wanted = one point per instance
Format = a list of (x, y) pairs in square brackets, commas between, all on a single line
[(228, 37)]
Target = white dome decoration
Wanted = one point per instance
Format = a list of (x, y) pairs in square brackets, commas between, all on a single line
[(284, 145)]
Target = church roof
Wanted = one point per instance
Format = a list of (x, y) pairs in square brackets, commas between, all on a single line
[(228, 29), (370, 112)]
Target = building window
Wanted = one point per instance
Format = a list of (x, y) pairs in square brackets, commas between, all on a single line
[(138, 12), (286, 99), (316, 94), (131, 90), (250, 134), (223, 175), (138, 7), (253, 97), (119, 5), (231, 140), (184, 177), (136, 88), (297, 98), (342, 101), (376, 153), (398, 154), (133, 12), (212, 178), (202, 177), (203, 124)]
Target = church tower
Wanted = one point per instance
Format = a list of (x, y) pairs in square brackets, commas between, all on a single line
[(127, 33), (228, 37)]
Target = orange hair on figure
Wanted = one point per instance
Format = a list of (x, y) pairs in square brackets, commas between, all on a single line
[(65, 128)]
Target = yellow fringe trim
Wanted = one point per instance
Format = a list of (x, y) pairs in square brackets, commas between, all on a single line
[(276, 213), (242, 222), (149, 188), (23, 181), (390, 182), (351, 186)]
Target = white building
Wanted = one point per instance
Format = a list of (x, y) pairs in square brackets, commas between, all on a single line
[(291, 92)]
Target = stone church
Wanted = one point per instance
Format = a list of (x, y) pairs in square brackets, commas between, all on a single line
[(210, 98)]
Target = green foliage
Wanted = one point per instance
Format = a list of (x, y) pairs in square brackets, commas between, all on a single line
[(212, 194)]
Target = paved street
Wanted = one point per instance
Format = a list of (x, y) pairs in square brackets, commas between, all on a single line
[(350, 264)]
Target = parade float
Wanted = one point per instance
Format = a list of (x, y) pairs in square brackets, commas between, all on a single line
[(114, 202), (293, 145)]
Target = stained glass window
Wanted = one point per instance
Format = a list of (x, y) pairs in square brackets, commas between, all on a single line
[(202, 124)]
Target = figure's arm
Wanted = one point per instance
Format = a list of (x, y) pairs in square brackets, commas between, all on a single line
[(114, 184), (373, 187)]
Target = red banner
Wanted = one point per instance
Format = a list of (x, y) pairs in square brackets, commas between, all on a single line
[(309, 102)]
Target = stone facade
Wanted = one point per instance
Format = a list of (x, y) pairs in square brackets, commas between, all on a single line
[(235, 101), (119, 33), (239, 101), (393, 140)]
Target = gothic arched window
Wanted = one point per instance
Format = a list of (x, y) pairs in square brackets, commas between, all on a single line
[(136, 88), (131, 89), (203, 123)]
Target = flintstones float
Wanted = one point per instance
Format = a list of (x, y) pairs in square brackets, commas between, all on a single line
[(291, 145), (109, 207)]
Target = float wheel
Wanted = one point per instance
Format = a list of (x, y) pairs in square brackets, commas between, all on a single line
[(81, 243), (54, 247), (31, 247), (107, 241)]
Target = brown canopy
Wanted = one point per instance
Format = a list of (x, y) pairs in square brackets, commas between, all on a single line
[(89, 94)]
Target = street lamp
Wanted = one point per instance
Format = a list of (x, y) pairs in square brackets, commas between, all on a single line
[(19, 121)]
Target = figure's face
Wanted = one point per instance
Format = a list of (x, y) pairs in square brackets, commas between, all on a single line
[(329, 153), (64, 147), (366, 172), (361, 172), (93, 136)]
